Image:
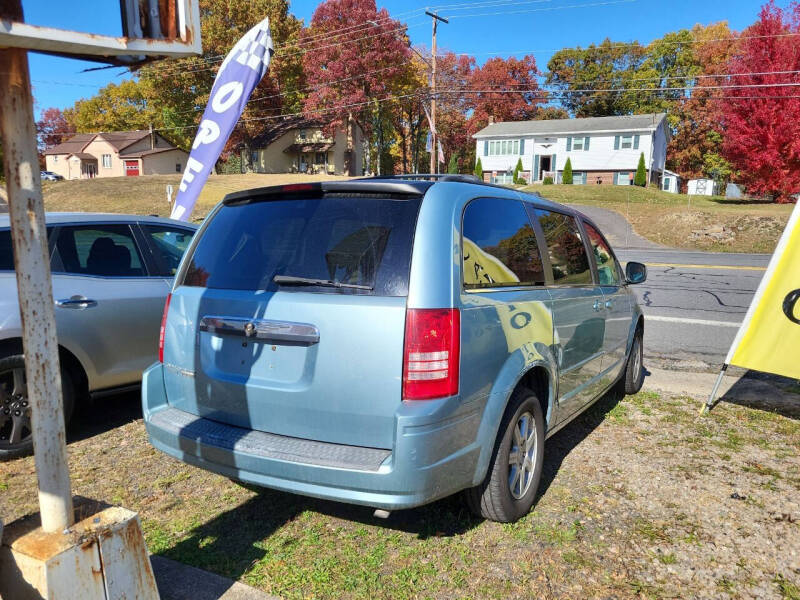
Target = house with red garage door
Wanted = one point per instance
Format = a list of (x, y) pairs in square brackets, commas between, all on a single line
[(115, 154)]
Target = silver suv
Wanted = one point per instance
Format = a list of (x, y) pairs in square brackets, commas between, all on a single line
[(111, 275)]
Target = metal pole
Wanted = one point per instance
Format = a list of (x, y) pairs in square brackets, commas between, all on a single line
[(710, 402), (32, 265)]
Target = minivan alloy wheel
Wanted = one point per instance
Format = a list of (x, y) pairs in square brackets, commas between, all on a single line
[(636, 352), (15, 410), (521, 456)]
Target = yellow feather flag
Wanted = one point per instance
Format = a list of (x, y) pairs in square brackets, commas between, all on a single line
[(769, 337)]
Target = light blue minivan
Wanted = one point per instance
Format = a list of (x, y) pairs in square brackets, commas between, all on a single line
[(390, 341)]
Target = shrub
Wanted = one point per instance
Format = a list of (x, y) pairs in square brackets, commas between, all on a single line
[(567, 176), (479, 169), (452, 166), (519, 180), (640, 178), (547, 181)]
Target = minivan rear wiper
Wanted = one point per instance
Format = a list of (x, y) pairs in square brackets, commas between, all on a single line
[(292, 280)]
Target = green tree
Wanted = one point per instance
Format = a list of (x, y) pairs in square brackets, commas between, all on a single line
[(591, 81), (116, 107), (178, 89), (566, 178), (479, 169), (640, 178), (452, 166), (518, 179)]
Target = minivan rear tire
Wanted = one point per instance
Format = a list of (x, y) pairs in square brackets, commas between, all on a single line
[(493, 499)]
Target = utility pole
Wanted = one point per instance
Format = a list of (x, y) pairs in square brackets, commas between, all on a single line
[(434, 142), (35, 288)]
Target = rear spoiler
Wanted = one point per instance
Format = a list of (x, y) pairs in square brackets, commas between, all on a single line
[(318, 189)]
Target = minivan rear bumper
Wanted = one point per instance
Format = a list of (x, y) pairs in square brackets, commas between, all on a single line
[(435, 452)]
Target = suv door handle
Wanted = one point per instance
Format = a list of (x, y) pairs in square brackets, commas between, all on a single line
[(76, 302)]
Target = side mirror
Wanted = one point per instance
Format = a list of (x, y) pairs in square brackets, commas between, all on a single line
[(635, 272)]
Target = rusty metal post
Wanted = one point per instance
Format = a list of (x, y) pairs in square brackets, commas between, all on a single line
[(35, 289)]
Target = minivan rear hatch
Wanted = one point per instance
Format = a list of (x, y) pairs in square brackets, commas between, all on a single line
[(289, 315)]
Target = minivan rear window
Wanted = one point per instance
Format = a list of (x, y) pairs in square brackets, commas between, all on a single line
[(349, 240)]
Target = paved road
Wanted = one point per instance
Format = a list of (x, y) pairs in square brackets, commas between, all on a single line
[(694, 301)]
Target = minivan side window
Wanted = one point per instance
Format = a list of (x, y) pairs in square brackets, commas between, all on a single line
[(105, 250), (607, 271), (499, 246), (567, 253)]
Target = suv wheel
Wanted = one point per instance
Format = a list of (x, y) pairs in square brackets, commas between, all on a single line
[(509, 489), (633, 377), (15, 409)]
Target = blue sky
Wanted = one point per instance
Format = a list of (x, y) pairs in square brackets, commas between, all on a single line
[(517, 26)]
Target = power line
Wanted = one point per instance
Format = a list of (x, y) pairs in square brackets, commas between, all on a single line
[(544, 9), (625, 45)]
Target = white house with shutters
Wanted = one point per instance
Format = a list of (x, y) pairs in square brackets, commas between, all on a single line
[(602, 150)]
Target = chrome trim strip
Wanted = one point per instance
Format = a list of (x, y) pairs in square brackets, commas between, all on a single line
[(261, 329), (179, 370)]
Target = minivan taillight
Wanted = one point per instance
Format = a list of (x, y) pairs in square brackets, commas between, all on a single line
[(430, 355), (163, 329)]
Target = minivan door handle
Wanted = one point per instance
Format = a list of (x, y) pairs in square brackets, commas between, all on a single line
[(76, 302)]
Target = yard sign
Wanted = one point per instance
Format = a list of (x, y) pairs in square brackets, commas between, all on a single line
[(769, 337), (241, 71)]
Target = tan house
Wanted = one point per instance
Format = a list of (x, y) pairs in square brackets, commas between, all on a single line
[(295, 145), (115, 154)]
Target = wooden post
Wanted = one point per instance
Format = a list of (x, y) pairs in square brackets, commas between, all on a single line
[(32, 265), (434, 145)]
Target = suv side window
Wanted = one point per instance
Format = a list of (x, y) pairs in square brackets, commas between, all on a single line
[(607, 270), (107, 250), (567, 253), (168, 245), (499, 245)]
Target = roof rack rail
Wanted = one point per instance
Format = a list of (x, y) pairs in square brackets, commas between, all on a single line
[(429, 177)]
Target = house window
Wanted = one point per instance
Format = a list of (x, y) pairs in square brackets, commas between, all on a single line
[(106, 161), (55, 158), (491, 148), (319, 159), (302, 134), (177, 167), (577, 143), (578, 178), (505, 147), (516, 147), (623, 178), (254, 156), (626, 142)]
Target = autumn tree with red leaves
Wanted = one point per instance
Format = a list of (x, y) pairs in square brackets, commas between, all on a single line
[(53, 128), (762, 124), (356, 57), (504, 73)]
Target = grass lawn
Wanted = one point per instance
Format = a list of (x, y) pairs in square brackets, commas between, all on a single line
[(670, 219), (639, 499), (664, 218), (147, 194)]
